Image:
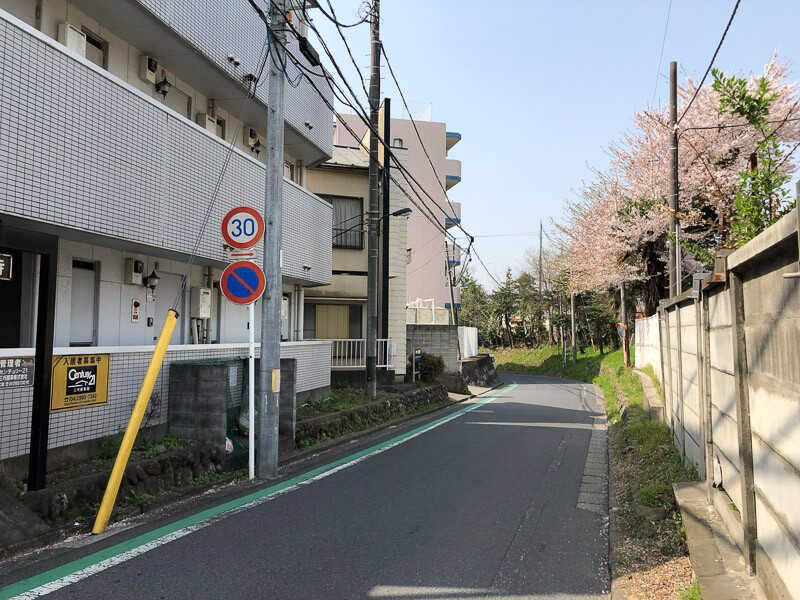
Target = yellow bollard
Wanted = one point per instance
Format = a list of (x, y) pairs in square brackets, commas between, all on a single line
[(110, 495)]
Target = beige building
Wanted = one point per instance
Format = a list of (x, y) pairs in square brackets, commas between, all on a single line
[(338, 312)]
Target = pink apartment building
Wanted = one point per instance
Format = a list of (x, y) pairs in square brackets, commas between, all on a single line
[(426, 271)]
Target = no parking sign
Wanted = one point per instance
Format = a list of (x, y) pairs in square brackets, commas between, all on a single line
[(242, 282)]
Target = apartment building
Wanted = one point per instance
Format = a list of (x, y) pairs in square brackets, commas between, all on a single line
[(338, 312), (117, 118), (429, 256)]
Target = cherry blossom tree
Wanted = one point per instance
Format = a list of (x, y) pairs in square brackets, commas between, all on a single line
[(616, 229)]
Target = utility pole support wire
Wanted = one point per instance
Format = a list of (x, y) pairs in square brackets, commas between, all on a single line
[(269, 369)]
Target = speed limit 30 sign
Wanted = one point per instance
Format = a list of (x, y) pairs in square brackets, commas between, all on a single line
[(242, 227)]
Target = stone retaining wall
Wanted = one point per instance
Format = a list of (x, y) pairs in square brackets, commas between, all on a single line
[(66, 501), (479, 370), (338, 423)]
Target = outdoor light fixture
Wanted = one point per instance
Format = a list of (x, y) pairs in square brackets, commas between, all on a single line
[(256, 147), (401, 212), (152, 280), (162, 87)]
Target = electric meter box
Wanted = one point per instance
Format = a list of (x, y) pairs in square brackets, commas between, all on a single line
[(133, 271), (200, 303)]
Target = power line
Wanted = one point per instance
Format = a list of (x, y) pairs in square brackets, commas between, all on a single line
[(251, 90), (661, 55), (416, 130), (332, 16), (711, 64)]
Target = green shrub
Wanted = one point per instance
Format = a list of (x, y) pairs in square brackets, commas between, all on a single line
[(109, 446), (431, 366), (658, 493)]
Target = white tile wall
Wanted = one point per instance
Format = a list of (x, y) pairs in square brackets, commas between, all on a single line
[(82, 149)]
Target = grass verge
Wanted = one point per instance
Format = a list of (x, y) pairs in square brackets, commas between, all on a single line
[(644, 463), (338, 399)]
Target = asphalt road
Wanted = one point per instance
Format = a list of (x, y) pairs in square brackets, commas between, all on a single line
[(506, 500)]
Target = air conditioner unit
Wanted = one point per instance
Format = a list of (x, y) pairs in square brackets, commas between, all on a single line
[(250, 136), (72, 37), (148, 67), (207, 121)]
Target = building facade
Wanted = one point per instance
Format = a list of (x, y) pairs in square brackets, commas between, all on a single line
[(117, 118), (339, 311), (429, 257)]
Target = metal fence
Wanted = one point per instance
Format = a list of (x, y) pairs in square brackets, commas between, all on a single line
[(352, 354)]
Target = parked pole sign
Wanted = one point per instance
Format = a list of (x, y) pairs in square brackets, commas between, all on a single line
[(79, 381), (416, 374), (6, 262), (391, 355), (16, 372)]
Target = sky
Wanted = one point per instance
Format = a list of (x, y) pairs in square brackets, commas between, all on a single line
[(539, 89)]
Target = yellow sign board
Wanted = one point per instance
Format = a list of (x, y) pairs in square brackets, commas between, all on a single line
[(79, 381)]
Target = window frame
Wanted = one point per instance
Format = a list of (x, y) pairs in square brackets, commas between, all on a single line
[(347, 224)]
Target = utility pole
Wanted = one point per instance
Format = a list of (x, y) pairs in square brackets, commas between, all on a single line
[(540, 257), (674, 247), (574, 331), (624, 321), (373, 213), (270, 367)]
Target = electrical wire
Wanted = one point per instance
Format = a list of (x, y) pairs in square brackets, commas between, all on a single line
[(416, 130), (218, 185), (332, 16), (711, 64), (387, 148), (661, 55)]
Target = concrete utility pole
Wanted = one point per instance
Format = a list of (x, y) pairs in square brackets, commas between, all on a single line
[(373, 213), (270, 367), (624, 321), (574, 331), (674, 275)]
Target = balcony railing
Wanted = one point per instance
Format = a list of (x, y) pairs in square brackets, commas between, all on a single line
[(352, 354)]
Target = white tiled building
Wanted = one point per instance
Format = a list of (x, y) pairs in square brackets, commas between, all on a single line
[(95, 159)]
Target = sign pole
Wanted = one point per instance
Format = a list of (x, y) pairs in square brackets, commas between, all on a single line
[(251, 393)]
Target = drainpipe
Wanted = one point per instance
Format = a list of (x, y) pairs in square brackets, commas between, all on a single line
[(209, 285)]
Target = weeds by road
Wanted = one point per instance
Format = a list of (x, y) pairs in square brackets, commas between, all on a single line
[(650, 557)]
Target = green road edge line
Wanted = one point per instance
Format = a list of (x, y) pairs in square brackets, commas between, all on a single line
[(56, 573)]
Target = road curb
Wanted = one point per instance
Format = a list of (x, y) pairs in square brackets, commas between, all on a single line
[(617, 592)]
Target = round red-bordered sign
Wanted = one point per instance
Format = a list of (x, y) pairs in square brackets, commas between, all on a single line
[(242, 282), (242, 227)]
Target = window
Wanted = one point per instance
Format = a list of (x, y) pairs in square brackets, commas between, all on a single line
[(397, 142), (354, 321), (309, 321), (348, 216), (83, 318), (96, 49), (220, 128)]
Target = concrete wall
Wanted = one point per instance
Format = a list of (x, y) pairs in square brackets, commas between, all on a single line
[(647, 344), (732, 384), (441, 340), (468, 341)]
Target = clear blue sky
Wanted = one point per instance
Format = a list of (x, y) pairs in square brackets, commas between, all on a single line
[(538, 89)]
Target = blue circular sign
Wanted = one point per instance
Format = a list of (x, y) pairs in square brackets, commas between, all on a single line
[(242, 282)]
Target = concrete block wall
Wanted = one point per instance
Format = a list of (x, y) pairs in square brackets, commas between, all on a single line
[(647, 344), (705, 388), (441, 340)]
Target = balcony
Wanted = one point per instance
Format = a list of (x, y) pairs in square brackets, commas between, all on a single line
[(194, 43), (454, 210), (352, 354), (452, 171), (91, 158), (454, 254), (451, 139)]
